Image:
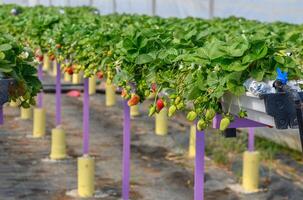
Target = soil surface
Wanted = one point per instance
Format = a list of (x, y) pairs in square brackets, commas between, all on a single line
[(160, 168)]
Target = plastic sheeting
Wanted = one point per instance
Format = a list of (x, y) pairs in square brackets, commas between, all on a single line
[(264, 10)]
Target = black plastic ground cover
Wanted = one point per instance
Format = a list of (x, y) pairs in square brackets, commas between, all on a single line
[(51, 88), (65, 88)]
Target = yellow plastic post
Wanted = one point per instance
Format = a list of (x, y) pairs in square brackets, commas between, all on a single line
[(67, 77), (92, 85), (110, 94), (161, 122), (39, 122), (251, 162), (58, 148), (14, 104), (46, 62), (54, 68), (134, 111), (192, 142), (26, 113), (76, 78), (50, 69), (86, 176)]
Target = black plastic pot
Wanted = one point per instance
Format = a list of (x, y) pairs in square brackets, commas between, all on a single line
[(282, 107), (286, 109), (5, 84), (230, 133)]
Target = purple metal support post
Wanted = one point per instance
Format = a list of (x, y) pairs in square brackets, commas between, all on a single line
[(251, 139), (1, 115), (199, 166), (215, 121), (40, 95), (126, 152), (85, 118), (58, 96)]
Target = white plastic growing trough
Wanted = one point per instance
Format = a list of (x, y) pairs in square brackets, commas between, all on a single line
[(254, 106), (288, 135)]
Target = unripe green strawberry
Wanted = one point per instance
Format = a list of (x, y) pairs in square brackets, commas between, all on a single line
[(26, 95), (180, 105), (171, 111), (242, 113), (224, 123), (172, 96), (146, 93), (177, 100), (198, 100), (152, 110), (199, 110), (201, 125), (109, 53), (191, 116), (210, 114)]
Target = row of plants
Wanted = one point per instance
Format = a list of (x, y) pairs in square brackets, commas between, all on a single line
[(183, 62), (17, 63)]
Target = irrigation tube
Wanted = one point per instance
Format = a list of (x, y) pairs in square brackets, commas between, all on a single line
[(126, 152), (58, 96), (85, 118)]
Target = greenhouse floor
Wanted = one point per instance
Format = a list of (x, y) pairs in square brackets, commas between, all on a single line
[(160, 169)]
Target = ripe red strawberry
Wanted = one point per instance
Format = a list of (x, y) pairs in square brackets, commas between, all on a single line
[(52, 57), (160, 104), (154, 87), (134, 100), (124, 93), (69, 70), (39, 58), (100, 74), (58, 46)]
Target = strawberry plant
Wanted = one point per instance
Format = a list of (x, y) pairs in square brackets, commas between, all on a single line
[(181, 61), (16, 62)]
